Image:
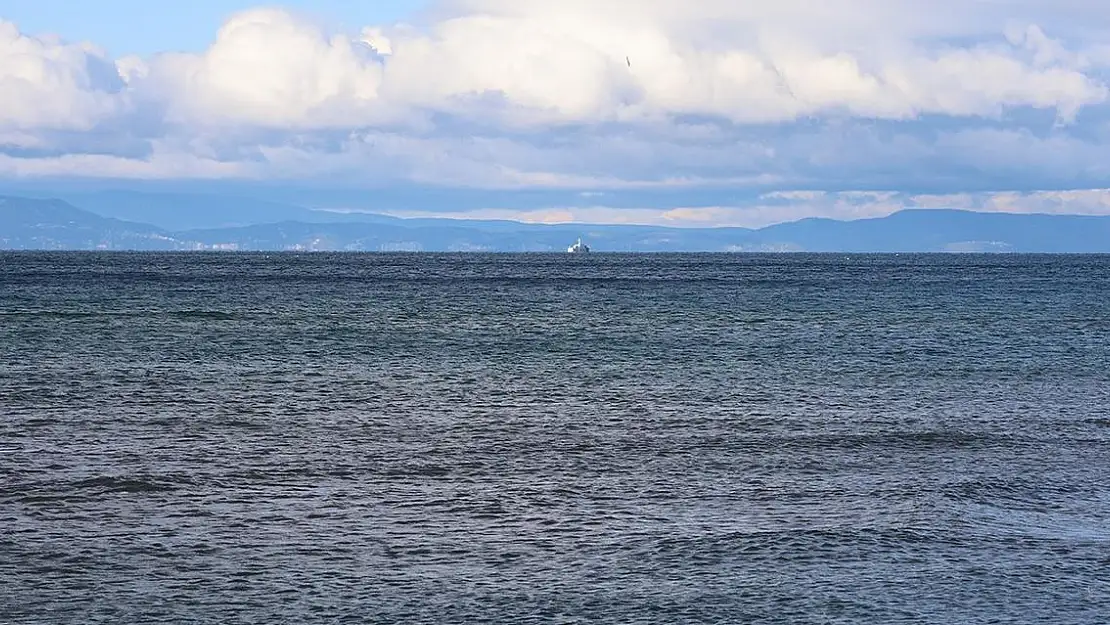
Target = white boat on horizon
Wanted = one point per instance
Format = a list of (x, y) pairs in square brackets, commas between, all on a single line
[(578, 248)]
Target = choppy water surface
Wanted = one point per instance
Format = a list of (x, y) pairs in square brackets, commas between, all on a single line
[(549, 438)]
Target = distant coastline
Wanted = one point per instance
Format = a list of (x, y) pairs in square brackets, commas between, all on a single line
[(51, 224)]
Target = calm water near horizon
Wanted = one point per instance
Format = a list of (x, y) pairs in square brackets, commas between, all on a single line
[(607, 438)]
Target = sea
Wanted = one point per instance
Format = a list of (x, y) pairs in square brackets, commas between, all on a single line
[(554, 438)]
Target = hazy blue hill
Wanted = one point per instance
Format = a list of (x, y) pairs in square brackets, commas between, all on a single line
[(54, 224), (27, 223), (947, 231), (185, 211), (906, 231)]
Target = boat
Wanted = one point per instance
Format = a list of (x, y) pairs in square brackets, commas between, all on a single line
[(578, 248)]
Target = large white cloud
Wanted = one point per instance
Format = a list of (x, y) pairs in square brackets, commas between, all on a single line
[(742, 61), (948, 95), (266, 68), (47, 84), (543, 62)]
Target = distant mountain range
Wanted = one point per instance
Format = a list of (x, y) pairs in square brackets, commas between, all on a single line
[(122, 221)]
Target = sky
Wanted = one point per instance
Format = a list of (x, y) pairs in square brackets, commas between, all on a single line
[(147, 27), (677, 112)]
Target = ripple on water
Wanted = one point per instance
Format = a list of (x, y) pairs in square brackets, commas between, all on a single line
[(441, 438)]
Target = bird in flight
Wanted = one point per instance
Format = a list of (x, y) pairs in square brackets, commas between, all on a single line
[(626, 60)]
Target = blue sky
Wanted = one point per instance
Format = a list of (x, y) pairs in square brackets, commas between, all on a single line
[(716, 112), (150, 26)]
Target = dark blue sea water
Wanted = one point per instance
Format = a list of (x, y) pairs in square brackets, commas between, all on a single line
[(548, 438)]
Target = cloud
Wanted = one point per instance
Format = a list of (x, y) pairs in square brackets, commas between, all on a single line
[(266, 68), (754, 215), (800, 99), (49, 84), (527, 62), (628, 61), (153, 167)]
